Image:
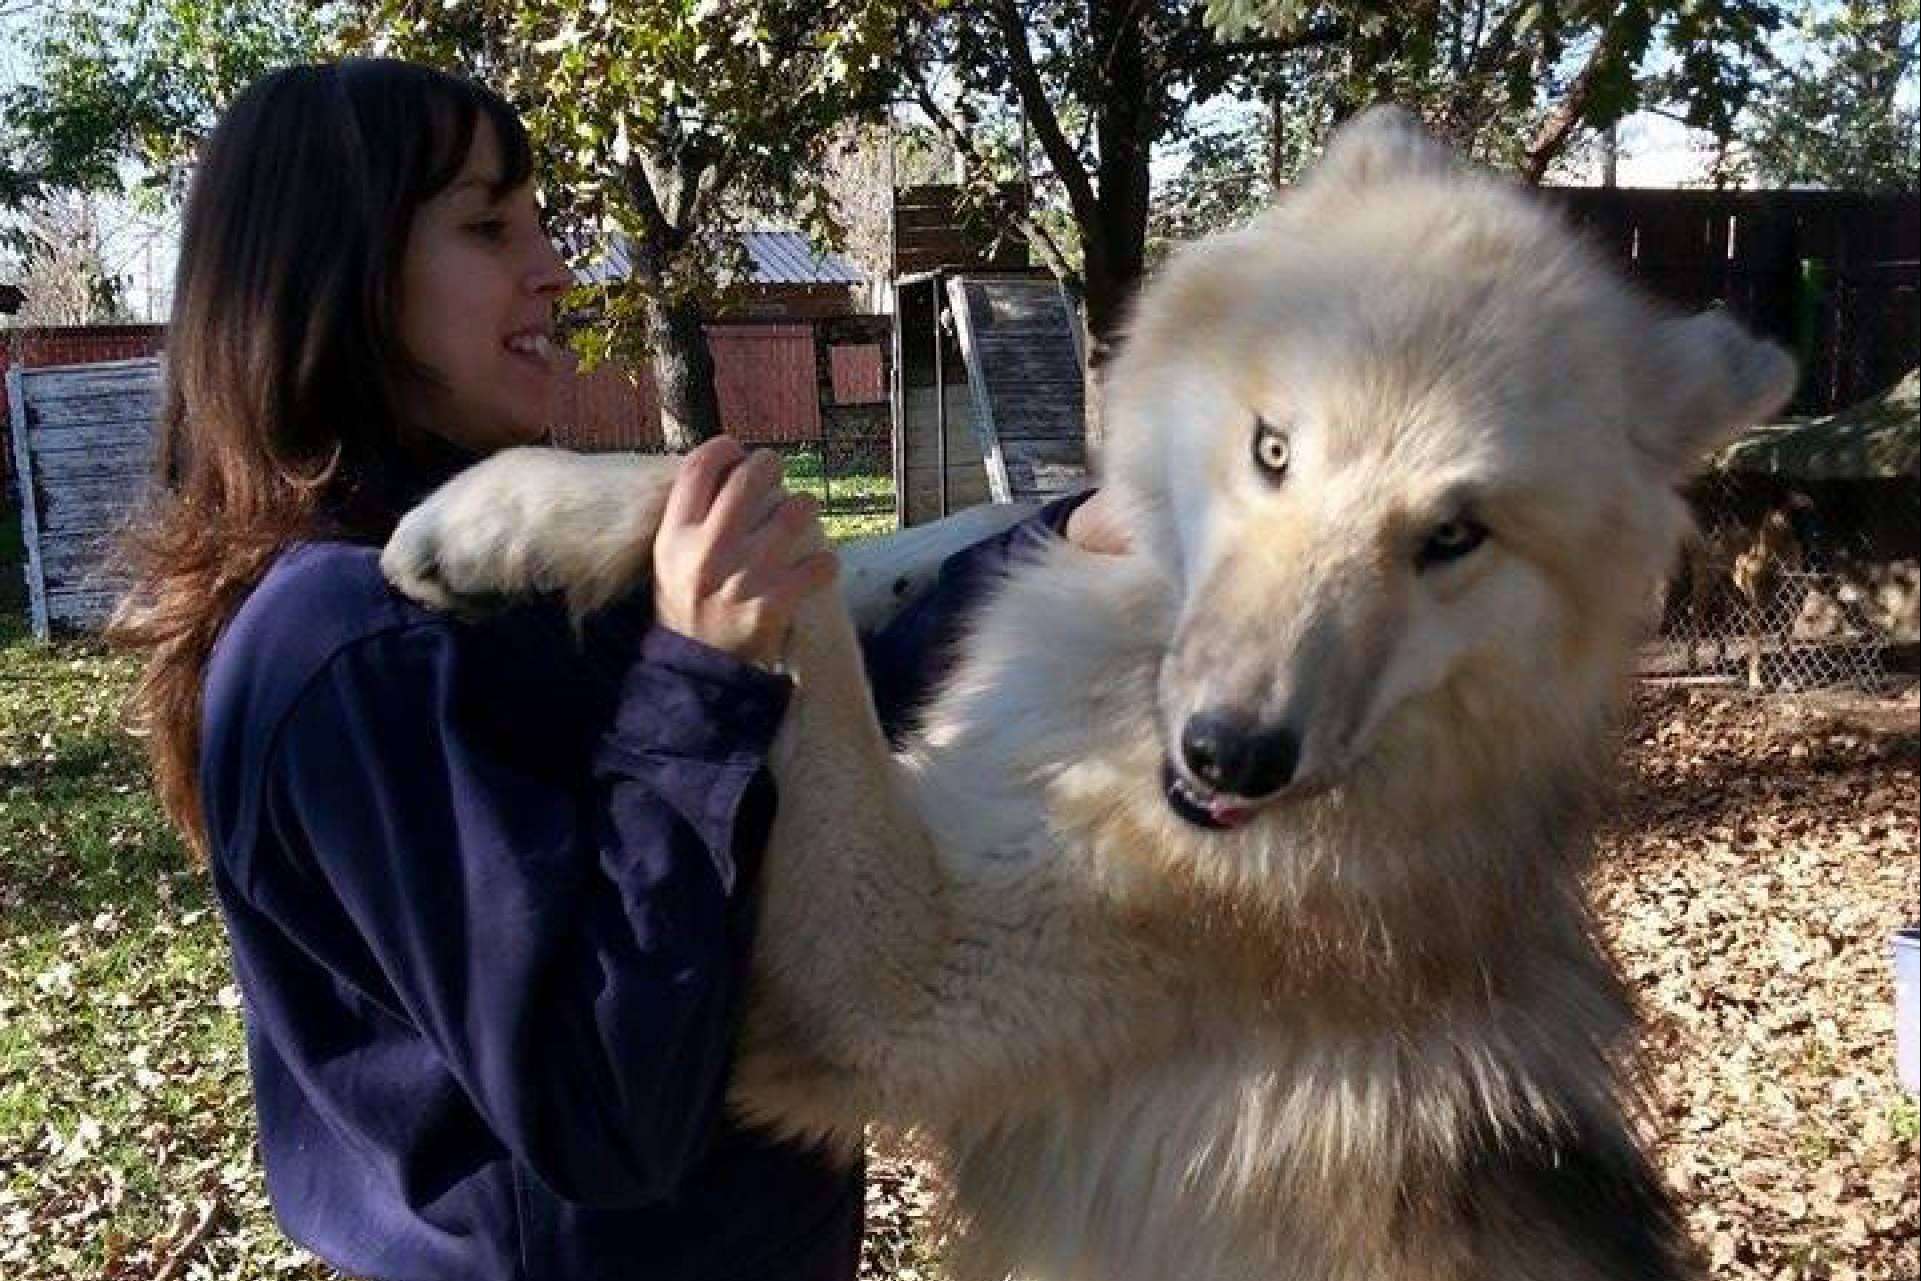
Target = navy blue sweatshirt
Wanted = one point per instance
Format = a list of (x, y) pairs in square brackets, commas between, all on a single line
[(489, 888)]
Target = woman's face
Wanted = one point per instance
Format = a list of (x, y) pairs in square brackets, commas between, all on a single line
[(478, 285)]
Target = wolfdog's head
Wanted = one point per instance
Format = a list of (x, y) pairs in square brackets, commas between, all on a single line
[(1407, 450)]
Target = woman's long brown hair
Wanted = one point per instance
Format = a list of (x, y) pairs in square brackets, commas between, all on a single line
[(286, 384)]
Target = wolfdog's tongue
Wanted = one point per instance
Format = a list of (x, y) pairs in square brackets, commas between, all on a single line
[(1228, 814), (1210, 811)]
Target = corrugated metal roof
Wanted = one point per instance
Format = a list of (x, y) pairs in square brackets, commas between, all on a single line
[(787, 258), (777, 258)]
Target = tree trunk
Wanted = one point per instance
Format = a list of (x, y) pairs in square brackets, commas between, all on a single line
[(677, 347), (683, 373), (1114, 249), (670, 319)]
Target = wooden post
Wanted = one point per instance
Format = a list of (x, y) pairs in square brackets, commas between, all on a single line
[(29, 507)]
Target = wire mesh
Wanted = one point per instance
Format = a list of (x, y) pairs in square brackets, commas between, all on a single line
[(852, 476), (1782, 591)]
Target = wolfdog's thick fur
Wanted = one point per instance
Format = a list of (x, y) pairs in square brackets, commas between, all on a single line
[(1224, 919)]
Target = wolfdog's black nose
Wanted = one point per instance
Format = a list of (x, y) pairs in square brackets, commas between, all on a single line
[(1232, 756)]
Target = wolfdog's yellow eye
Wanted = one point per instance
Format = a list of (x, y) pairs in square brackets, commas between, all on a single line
[(1271, 450)]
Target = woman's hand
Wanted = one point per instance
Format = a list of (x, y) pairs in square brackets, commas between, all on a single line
[(1095, 526), (736, 553)]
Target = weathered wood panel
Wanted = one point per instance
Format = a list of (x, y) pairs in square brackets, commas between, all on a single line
[(83, 439), (920, 496), (1829, 274), (1018, 339), (931, 231)]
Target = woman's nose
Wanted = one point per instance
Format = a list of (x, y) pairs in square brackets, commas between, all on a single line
[(550, 274)]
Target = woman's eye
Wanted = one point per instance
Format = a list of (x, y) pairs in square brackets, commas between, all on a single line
[(1271, 449), (1450, 541), (489, 228)]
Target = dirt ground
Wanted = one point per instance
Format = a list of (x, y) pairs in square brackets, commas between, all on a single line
[(1762, 851)]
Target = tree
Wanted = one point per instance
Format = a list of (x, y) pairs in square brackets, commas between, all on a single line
[(659, 124), (61, 263), (1100, 84), (118, 92), (1836, 115)]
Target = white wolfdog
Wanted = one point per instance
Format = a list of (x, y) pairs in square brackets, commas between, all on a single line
[(1223, 921)]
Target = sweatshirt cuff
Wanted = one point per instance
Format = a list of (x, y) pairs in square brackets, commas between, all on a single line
[(695, 724)]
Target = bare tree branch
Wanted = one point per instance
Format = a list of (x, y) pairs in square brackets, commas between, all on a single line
[(1309, 37), (1021, 220), (1040, 115), (1551, 139)]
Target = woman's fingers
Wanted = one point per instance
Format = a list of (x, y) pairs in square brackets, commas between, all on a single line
[(790, 532), (737, 552), (745, 497), (699, 480)]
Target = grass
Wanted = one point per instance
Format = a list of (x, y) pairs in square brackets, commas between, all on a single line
[(854, 503), (123, 1082)]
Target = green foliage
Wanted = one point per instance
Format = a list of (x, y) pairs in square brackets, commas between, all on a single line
[(1835, 114), (118, 92)]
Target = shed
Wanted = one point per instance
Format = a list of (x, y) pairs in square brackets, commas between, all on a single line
[(1847, 482), (83, 442), (1008, 423), (787, 278)]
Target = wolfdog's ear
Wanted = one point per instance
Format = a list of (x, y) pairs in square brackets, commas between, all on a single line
[(1385, 141), (1714, 380)]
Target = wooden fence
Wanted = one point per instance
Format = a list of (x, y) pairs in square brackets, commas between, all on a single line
[(1830, 275), (34, 346), (82, 446)]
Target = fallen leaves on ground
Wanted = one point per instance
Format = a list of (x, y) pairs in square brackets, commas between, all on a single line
[(1762, 852)]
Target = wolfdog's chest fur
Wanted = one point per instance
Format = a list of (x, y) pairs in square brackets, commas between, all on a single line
[(1282, 1076)]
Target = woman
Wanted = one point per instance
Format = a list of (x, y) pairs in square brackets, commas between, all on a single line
[(489, 885)]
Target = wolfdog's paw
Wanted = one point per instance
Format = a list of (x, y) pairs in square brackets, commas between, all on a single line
[(454, 552), (525, 521)]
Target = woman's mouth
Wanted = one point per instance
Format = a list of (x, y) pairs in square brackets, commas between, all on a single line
[(533, 345)]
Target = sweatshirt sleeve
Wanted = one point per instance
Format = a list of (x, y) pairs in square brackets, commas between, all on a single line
[(907, 659), (568, 941)]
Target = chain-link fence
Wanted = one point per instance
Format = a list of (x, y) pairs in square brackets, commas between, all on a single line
[(1792, 587)]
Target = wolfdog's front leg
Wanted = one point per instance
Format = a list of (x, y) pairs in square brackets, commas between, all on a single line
[(900, 983), (535, 519), (529, 520)]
